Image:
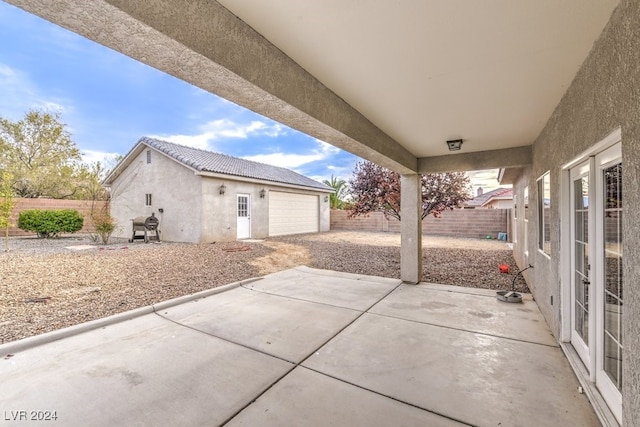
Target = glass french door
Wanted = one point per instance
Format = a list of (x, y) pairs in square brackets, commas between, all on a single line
[(609, 339), (581, 235), (596, 271)]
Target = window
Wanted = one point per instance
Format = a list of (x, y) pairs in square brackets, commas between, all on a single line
[(544, 209), (147, 199), (525, 234), (148, 156), (514, 228)]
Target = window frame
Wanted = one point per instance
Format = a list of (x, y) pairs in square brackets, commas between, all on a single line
[(543, 185)]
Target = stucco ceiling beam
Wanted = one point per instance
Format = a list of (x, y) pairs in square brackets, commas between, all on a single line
[(480, 160), (201, 42)]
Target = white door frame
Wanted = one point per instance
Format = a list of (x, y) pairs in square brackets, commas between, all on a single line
[(599, 156), (243, 223), (584, 350), (607, 388)]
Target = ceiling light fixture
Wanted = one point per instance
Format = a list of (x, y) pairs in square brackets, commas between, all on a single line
[(454, 144)]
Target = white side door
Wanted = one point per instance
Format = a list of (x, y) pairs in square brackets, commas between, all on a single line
[(244, 216)]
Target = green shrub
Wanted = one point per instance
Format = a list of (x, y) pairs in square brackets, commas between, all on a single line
[(50, 223)]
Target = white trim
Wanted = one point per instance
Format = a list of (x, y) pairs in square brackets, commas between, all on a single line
[(540, 217), (591, 248), (248, 217), (583, 349), (595, 381), (565, 255), (602, 410), (609, 391), (261, 181), (614, 137), (525, 221)]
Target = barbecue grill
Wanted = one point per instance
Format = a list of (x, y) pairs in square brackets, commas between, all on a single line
[(147, 226)]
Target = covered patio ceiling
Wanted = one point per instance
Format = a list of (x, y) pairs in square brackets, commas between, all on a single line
[(427, 71), (390, 81)]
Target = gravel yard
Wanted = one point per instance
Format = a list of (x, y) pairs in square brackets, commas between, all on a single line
[(45, 285)]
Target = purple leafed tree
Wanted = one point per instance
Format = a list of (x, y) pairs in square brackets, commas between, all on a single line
[(377, 189)]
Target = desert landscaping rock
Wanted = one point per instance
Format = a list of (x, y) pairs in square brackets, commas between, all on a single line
[(45, 286)]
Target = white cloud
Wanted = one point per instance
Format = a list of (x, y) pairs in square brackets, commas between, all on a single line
[(276, 130), (197, 141), (342, 172), (323, 152), (20, 94), (224, 129), (327, 148), (52, 106), (289, 161), (7, 72), (487, 179), (91, 156), (17, 92)]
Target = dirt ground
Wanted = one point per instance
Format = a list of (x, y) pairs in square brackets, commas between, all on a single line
[(393, 239), (283, 257), (51, 284)]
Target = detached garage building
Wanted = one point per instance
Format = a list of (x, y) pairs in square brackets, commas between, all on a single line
[(202, 197)]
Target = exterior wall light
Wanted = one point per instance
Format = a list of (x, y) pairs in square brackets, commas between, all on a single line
[(454, 144), (262, 193), (326, 198), (223, 188)]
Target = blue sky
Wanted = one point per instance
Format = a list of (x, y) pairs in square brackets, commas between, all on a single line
[(109, 101)]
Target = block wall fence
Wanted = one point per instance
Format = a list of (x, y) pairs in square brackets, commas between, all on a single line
[(467, 223), (82, 206)]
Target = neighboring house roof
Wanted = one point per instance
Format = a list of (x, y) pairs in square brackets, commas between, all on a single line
[(486, 198), (208, 161)]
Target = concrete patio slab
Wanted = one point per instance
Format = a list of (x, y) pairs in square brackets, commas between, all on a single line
[(471, 291), (141, 372), (308, 398), (226, 357), (473, 378), (467, 311), (352, 291), (283, 327)]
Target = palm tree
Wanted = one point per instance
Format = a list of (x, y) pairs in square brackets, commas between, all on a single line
[(336, 199)]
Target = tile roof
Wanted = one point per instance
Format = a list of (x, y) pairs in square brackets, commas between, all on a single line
[(484, 198), (208, 161)]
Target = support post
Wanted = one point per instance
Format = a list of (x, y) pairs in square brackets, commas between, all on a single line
[(411, 229)]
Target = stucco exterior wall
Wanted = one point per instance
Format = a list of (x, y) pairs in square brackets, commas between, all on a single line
[(174, 188), (219, 211), (194, 211), (499, 204), (605, 95), (520, 229)]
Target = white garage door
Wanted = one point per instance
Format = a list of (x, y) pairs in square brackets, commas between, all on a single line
[(291, 213)]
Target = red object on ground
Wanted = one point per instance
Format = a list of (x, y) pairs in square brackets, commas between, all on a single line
[(504, 268)]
